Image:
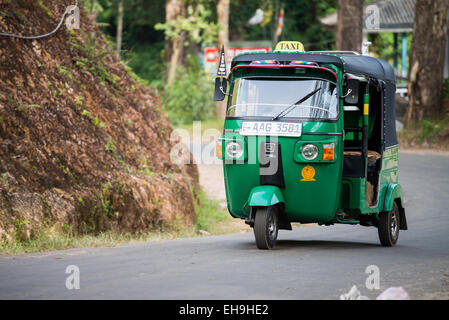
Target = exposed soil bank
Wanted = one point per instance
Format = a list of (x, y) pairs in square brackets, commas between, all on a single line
[(83, 146)]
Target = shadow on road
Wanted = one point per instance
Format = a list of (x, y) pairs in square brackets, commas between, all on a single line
[(312, 244), (321, 244)]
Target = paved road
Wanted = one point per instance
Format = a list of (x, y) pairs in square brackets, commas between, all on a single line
[(309, 262)]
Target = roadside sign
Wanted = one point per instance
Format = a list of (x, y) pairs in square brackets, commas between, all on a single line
[(212, 54)]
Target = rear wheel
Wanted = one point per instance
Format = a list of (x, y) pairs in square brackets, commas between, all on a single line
[(389, 227), (266, 226)]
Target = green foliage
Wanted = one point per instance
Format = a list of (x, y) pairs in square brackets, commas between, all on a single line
[(4, 180), (145, 31), (300, 22), (111, 145), (145, 169), (196, 24), (446, 89), (98, 124), (209, 213), (20, 229), (433, 129), (65, 72), (189, 97), (147, 61), (94, 6), (79, 101), (93, 59), (383, 47), (86, 113), (140, 16), (95, 120), (429, 131), (62, 164), (46, 9), (28, 107), (106, 202)]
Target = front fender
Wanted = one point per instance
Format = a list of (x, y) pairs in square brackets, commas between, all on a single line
[(264, 196), (393, 192)]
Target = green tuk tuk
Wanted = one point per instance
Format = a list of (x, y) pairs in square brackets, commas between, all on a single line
[(310, 137)]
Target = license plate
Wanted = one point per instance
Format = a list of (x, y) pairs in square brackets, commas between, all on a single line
[(271, 128)]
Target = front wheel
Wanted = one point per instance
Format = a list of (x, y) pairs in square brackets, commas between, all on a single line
[(389, 227), (266, 226)]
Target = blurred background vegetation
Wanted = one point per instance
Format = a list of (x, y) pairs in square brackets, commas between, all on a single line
[(144, 42), (147, 41)]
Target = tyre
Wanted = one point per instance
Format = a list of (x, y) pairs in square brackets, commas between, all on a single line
[(388, 227), (266, 227)]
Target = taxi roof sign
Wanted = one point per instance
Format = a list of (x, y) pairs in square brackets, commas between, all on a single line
[(289, 46)]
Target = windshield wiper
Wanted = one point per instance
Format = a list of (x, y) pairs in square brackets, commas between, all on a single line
[(284, 112)]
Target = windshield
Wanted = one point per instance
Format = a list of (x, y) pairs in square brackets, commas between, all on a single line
[(267, 97)]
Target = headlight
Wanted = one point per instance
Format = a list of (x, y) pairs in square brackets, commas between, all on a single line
[(234, 150), (310, 152)]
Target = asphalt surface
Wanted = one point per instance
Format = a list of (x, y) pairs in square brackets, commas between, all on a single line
[(307, 263)]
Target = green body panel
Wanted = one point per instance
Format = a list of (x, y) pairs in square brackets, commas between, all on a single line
[(264, 196), (354, 189), (393, 192), (389, 177), (305, 201)]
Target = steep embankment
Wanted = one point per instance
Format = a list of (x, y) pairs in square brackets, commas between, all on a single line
[(82, 144)]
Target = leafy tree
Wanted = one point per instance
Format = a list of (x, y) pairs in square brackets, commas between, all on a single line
[(143, 44), (188, 97), (190, 26), (300, 22)]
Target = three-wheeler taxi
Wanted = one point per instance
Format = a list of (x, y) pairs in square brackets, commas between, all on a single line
[(310, 137)]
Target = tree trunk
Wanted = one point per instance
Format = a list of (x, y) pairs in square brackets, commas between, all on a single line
[(119, 26), (174, 48), (223, 40), (177, 57), (426, 60), (350, 25), (172, 11)]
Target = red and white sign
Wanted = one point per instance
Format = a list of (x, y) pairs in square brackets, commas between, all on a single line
[(212, 56)]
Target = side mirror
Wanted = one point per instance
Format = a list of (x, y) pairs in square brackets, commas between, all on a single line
[(221, 84), (351, 92)]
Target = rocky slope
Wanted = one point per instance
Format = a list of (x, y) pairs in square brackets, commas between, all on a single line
[(83, 146)]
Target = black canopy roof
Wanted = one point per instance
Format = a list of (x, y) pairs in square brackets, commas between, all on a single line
[(369, 66)]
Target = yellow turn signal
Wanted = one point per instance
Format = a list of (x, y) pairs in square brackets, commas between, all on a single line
[(328, 152)]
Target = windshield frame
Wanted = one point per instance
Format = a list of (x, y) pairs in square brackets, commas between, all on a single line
[(233, 79)]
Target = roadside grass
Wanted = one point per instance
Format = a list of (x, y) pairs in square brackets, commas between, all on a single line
[(212, 123), (431, 132), (212, 219)]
